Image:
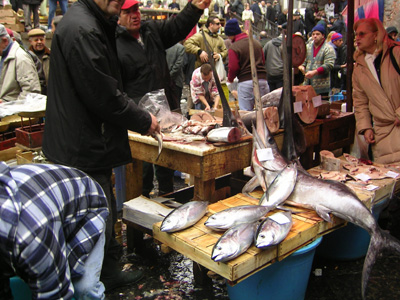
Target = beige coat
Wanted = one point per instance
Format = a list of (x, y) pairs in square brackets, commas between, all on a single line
[(381, 103), (18, 75)]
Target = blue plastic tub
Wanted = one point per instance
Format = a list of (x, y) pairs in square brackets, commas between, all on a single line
[(283, 280), (350, 242), (20, 290)]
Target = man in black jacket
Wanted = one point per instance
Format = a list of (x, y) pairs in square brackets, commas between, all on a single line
[(88, 114), (141, 51)]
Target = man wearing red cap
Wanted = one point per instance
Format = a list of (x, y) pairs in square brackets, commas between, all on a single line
[(141, 52), (88, 115)]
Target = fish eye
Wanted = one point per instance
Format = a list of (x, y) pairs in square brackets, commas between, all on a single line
[(271, 140), (219, 248), (262, 236), (212, 217)]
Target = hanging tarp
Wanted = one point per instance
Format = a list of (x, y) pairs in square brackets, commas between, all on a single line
[(366, 9)]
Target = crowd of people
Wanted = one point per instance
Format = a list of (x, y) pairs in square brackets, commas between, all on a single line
[(103, 59)]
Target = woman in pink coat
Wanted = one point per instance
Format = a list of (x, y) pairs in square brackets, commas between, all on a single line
[(376, 90)]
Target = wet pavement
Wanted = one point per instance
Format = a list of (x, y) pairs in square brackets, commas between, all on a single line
[(169, 276)]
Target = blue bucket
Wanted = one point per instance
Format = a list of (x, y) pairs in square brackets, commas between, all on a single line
[(350, 242), (286, 279), (20, 290)]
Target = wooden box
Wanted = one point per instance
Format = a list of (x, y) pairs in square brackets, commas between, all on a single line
[(30, 136), (198, 241)]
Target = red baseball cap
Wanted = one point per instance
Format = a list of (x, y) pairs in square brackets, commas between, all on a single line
[(10, 32), (129, 3)]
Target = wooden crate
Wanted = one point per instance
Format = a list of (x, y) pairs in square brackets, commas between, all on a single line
[(197, 241), (30, 136)]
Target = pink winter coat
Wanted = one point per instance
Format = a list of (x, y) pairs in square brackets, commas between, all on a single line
[(379, 105)]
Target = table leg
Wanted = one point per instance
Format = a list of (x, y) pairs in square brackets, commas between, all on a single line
[(200, 276), (204, 190), (134, 179)]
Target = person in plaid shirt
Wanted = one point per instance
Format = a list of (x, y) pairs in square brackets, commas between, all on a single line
[(52, 221)]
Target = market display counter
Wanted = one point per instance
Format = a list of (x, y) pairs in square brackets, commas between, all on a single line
[(197, 242), (202, 160)]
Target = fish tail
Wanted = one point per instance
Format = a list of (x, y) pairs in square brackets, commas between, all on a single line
[(380, 240)]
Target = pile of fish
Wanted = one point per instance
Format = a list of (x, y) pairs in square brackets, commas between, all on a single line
[(324, 196), (241, 225), (243, 228)]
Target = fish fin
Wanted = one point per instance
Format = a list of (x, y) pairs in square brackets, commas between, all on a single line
[(323, 212), (380, 240), (250, 186)]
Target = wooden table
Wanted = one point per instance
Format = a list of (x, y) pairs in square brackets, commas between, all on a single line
[(202, 160), (197, 241)]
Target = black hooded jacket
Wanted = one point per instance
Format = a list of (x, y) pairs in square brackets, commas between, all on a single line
[(145, 69), (87, 114)]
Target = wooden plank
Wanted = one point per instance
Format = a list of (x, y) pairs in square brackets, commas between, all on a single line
[(197, 242), (9, 153)]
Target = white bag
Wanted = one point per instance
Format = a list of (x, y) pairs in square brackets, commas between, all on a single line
[(220, 68)]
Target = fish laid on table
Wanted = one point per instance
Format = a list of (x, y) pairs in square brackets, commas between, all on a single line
[(234, 242), (273, 229), (224, 134), (281, 187), (325, 196), (232, 216), (184, 216)]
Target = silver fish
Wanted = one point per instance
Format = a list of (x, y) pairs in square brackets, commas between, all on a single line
[(184, 216), (159, 138), (281, 188), (230, 217), (234, 242), (273, 229), (326, 196)]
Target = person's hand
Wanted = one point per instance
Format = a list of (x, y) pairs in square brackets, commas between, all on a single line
[(154, 127), (204, 56), (369, 136), (235, 94), (207, 107), (397, 122), (301, 69), (201, 4), (216, 56), (311, 74)]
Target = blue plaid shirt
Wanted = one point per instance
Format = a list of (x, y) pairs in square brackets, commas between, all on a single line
[(51, 216)]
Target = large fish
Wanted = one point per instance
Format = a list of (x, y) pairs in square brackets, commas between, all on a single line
[(273, 229), (184, 216), (326, 196), (234, 242), (281, 187), (232, 216)]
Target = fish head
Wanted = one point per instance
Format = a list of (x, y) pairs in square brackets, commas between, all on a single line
[(218, 221), (265, 239), (224, 250)]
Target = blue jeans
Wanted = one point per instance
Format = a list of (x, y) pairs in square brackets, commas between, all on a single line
[(246, 95), (89, 286), (53, 8)]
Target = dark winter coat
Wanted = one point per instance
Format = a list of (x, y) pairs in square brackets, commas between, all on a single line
[(87, 113), (145, 69)]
